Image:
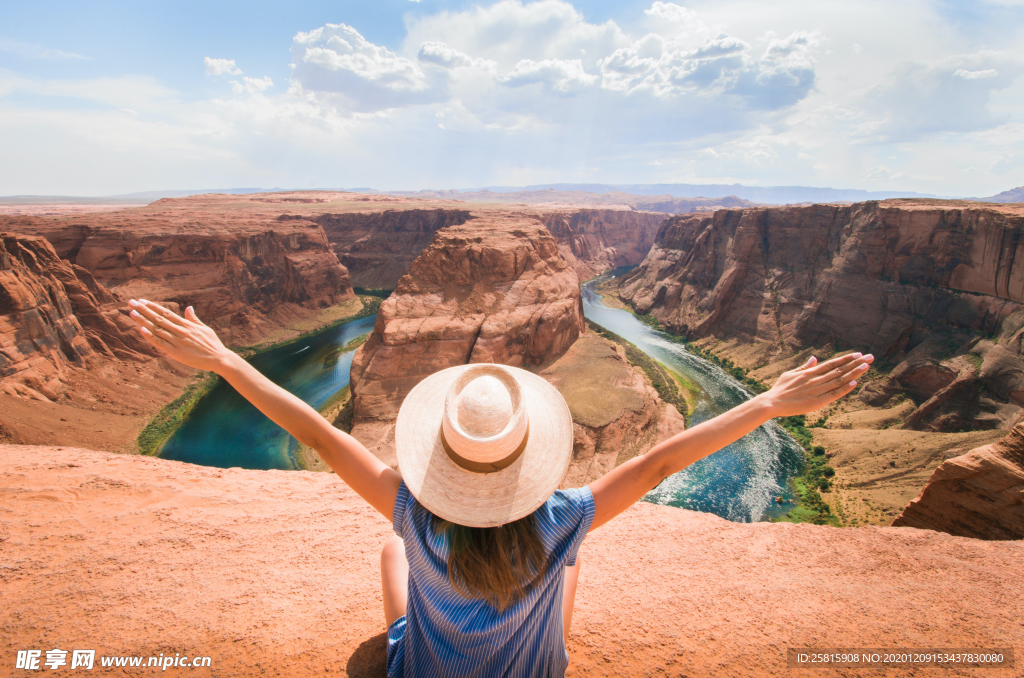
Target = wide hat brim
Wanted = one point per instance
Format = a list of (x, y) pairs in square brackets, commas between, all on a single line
[(483, 499)]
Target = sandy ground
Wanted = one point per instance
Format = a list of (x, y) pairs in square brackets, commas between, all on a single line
[(275, 573), (879, 472)]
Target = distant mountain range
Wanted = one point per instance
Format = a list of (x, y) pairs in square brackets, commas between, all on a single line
[(777, 195)]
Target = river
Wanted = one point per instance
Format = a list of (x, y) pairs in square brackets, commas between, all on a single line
[(224, 430), (739, 482)]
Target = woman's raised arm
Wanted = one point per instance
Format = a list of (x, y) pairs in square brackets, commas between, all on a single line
[(189, 341), (798, 391)]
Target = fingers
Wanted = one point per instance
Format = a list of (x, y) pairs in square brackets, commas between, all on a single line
[(159, 342), (158, 316), (155, 325), (837, 393), (811, 362), (840, 375), (190, 314), (835, 363)]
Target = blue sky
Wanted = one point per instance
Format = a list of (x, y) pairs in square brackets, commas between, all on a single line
[(115, 97)]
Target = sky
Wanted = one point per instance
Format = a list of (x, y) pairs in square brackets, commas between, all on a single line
[(101, 98)]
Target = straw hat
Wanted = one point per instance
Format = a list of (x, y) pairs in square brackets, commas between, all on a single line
[(482, 445)]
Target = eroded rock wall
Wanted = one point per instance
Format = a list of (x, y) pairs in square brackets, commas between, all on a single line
[(979, 494), (932, 288), (378, 247), (595, 240), (54, 315)]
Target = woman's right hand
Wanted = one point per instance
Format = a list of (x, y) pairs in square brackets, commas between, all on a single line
[(187, 339)]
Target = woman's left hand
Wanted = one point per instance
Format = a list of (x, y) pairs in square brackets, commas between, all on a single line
[(812, 386)]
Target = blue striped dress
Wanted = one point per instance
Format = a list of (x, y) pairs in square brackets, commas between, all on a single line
[(446, 634)]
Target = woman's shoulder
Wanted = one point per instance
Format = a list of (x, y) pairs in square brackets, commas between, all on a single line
[(569, 506)]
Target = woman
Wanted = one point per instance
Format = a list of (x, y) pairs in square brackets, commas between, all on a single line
[(481, 576)]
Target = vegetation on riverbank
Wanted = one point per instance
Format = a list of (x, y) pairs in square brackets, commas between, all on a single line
[(371, 306), (161, 426), (338, 351), (672, 388)]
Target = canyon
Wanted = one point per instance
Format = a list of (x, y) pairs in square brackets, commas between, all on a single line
[(170, 555), (259, 269), (276, 573), (69, 355), (932, 288)]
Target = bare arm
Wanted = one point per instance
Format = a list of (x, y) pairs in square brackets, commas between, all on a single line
[(189, 341), (798, 391)]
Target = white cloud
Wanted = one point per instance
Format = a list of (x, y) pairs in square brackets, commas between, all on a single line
[(559, 75), (508, 31), (514, 93), (221, 66), (31, 50), (251, 85), (359, 75), (975, 75), (440, 54), (917, 98)]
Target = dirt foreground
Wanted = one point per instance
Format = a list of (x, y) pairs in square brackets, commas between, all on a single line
[(275, 573)]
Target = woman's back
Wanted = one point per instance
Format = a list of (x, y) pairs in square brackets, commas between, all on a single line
[(445, 633)]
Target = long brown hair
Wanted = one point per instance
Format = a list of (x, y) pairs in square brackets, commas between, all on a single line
[(498, 564)]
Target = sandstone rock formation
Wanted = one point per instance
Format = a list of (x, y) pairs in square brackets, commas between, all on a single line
[(616, 413), (577, 199), (930, 287), (378, 247), (53, 315), (979, 494), (245, 274), (594, 241), (487, 291), (72, 367), (254, 264), (276, 573)]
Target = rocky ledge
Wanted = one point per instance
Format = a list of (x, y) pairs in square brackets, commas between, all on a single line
[(276, 573), (979, 494)]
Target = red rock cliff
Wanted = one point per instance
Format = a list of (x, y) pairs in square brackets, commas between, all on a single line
[(594, 241), (932, 288), (246, 274), (53, 314), (979, 494), (378, 247), (486, 291)]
